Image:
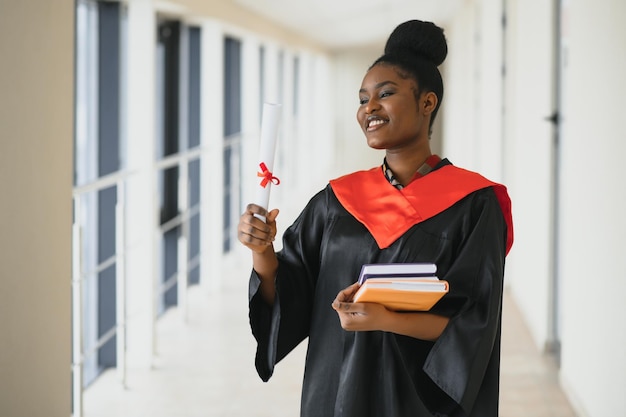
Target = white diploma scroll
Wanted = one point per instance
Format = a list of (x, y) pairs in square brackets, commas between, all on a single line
[(267, 150)]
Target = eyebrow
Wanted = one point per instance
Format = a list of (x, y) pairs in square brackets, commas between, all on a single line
[(379, 85)]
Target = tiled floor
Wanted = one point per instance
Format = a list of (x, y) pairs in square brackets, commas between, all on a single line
[(205, 367), (529, 382)]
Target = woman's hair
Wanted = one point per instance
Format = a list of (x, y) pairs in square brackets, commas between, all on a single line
[(416, 49)]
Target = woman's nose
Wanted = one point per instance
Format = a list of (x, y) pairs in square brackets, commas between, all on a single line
[(372, 106)]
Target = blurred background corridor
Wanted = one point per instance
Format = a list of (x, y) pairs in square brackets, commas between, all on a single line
[(129, 136)]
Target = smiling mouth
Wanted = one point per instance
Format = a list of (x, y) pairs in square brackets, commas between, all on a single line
[(374, 122)]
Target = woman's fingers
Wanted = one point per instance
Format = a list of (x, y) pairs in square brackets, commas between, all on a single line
[(346, 294), (248, 234), (271, 216), (252, 231), (343, 300), (358, 316), (256, 209)]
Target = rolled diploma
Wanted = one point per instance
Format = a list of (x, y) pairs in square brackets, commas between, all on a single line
[(267, 149)]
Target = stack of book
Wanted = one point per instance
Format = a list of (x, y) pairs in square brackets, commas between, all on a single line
[(401, 286)]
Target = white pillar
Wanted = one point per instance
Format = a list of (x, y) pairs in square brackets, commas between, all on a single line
[(321, 136), (459, 101), (528, 159), (291, 171), (489, 62), (271, 73), (141, 198), (212, 166), (592, 207)]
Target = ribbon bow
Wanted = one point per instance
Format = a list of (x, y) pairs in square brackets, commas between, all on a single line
[(267, 176)]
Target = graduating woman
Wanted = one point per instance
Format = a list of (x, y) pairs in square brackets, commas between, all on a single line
[(364, 359)]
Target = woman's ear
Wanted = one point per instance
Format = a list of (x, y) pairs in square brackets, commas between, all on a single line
[(429, 103)]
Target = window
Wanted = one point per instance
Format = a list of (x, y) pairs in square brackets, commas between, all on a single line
[(168, 144), (193, 121), (179, 157), (98, 144), (102, 207), (232, 138)]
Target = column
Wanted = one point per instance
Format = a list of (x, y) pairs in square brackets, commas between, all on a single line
[(141, 191)]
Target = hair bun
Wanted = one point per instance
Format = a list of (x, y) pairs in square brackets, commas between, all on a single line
[(418, 38)]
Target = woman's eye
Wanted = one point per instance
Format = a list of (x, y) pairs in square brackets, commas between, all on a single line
[(384, 94), (363, 101)]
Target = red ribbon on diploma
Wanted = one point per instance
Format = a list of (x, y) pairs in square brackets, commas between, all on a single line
[(267, 176)]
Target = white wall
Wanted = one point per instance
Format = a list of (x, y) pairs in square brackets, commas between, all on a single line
[(472, 105), (458, 109), (317, 133), (528, 159), (351, 151), (513, 147), (592, 194), (592, 210), (36, 119)]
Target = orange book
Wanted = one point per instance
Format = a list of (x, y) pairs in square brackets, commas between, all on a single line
[(402, 294)]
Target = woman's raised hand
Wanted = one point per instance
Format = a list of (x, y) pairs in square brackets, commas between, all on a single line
[(253, 232)]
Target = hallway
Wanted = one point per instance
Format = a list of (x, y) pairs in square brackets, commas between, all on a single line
[(205, 368)]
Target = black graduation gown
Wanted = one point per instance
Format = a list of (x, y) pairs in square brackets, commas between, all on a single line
[(362, 374)]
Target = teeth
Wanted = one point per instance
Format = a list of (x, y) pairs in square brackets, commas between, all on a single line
[(375, 122)]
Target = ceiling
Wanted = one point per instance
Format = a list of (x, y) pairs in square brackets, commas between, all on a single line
[(338, 24)]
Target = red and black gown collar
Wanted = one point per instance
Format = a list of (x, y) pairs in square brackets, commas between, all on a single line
[(388, 212), (431, 163)]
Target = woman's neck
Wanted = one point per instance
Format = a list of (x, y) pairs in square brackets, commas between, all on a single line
[(405, 164)]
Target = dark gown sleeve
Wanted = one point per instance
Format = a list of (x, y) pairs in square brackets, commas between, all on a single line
[(278, 329), (463, 354)]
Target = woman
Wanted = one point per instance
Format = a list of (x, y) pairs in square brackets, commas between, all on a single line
[(362, 359)]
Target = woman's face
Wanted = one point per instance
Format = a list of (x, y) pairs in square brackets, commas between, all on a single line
[(389, 113)]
